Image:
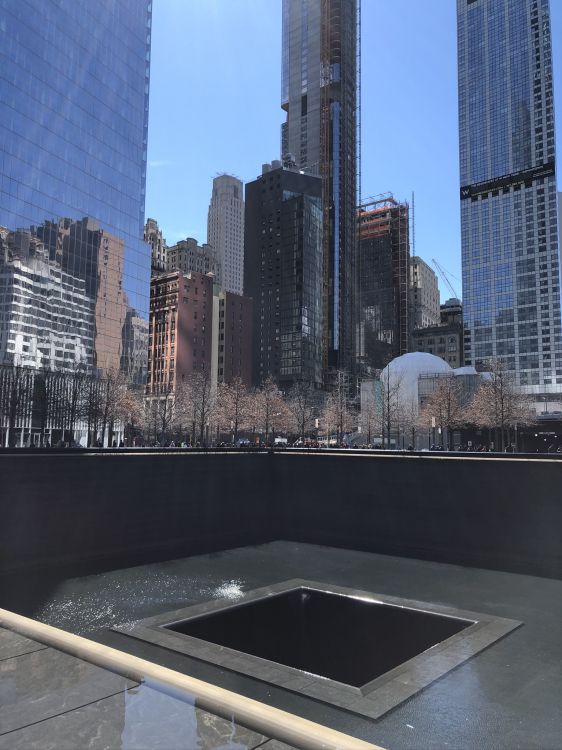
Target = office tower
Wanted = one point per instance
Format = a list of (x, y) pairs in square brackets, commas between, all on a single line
[(511, 283), (186, 255), (424, 294), (225, 230), (319, 95), (155, 240), (283, 274), (384, 249), (73, 138)]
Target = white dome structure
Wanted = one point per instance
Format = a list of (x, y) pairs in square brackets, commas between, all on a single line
[(404, 371)]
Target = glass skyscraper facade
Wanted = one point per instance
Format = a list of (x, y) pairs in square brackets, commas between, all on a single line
[(74, 270), (319, 95), (509, 212)]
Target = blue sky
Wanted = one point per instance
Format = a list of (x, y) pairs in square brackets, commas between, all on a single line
[(214, 107)]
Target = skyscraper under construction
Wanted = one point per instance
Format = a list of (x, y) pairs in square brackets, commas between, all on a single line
[(383, 282), (320, 97)]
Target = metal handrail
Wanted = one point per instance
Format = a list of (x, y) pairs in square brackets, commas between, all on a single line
[(260, 717)]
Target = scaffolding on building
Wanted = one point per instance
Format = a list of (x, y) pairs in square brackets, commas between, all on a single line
[(383, 216)]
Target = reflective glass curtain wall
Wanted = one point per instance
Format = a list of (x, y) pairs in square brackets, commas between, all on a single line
[(283, 263), (74, 271), (509, 216), (319, 95)]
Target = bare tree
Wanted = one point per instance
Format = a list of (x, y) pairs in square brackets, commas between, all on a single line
[(73, 393), (370, 417), (498, 404), (130, 410), (337, 411), (93, 408), (409, 419), (41, 402), (114, 388), (159, 411), (301, 404), (16, 391), (202, 399), (269, 409), (445, 407), (391, 385), (234, 406)]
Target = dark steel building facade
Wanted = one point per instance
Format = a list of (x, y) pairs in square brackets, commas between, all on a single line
[(509, 214), (283, 264), (319, 95), (74, 87)]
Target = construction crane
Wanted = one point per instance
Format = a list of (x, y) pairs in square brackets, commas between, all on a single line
[(441, 272)]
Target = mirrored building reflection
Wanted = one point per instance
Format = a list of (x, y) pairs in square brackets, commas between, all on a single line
[(74, 269)]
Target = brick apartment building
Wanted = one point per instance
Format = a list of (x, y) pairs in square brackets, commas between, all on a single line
[(195, 326)]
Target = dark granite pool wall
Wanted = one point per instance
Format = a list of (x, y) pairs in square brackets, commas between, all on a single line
[(130, 508), (76, 508), (491, 513)]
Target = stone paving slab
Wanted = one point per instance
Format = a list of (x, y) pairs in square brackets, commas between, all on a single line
[(13, 644), (50, 700), (42, 684), (139, 718)]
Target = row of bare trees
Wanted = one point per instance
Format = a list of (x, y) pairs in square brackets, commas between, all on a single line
[(80, 406), (61, 405), (202, 412), (494, 404), (232, 408), (206, 413)]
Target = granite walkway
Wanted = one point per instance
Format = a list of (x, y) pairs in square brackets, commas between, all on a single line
[(50, 700)]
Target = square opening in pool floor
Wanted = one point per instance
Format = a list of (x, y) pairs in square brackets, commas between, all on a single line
[(354, 649), (345, 639)]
